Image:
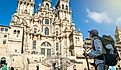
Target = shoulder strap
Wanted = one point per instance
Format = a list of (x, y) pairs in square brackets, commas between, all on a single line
[(103, 48), (93, 41)]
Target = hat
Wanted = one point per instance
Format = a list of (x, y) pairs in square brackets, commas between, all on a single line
[(93, 32)]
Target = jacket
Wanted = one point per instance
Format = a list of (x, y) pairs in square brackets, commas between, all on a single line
[(97, 50)]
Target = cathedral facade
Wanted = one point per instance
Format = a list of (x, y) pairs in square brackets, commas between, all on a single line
[(118, 43), (42, 40)]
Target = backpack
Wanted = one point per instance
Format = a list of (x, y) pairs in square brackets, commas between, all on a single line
[(110, 59)]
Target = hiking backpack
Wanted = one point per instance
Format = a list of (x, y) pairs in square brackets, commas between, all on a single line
[(110, 59)]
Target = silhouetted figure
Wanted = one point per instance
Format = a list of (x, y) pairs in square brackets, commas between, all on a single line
[(12, 68), (74, 67), (37, 67), (54, 66)]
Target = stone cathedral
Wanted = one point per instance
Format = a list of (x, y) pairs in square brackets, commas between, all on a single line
[(42, 40)]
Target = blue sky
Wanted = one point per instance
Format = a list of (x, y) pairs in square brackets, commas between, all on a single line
[(102, 15)]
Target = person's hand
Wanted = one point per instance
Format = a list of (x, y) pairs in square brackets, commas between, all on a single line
[(85, 54)]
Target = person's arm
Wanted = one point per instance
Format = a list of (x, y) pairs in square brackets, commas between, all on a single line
[(98, 48)]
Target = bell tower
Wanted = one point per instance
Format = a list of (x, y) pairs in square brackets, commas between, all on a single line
[(63, 4), (25, 7), (46, 4), (118, 34), (63, 9)]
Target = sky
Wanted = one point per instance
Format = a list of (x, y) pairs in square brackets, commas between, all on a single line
[(103, 15)]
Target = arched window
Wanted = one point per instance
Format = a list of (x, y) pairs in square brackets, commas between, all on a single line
[(18, 32), (46, 21), (25, 12), (46, 44), (4, 41), (35, 30), (46, 31), (2, 29), (43, 51), (76, 39), (6, 29), (56, 33), (34, 45), (5, 36), (47, 6), (46, 47), (49, 52), (62, 6), (66, 7), (14, 32), (57, 47)]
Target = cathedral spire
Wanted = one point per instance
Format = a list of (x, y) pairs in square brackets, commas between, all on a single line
[(117, 34), (117, 29), (63, 4), (46, 5), (25, 7), (63, 10)]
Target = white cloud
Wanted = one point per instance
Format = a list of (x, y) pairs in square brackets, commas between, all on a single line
[(118, 21), (99, 17), (113, 7)]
